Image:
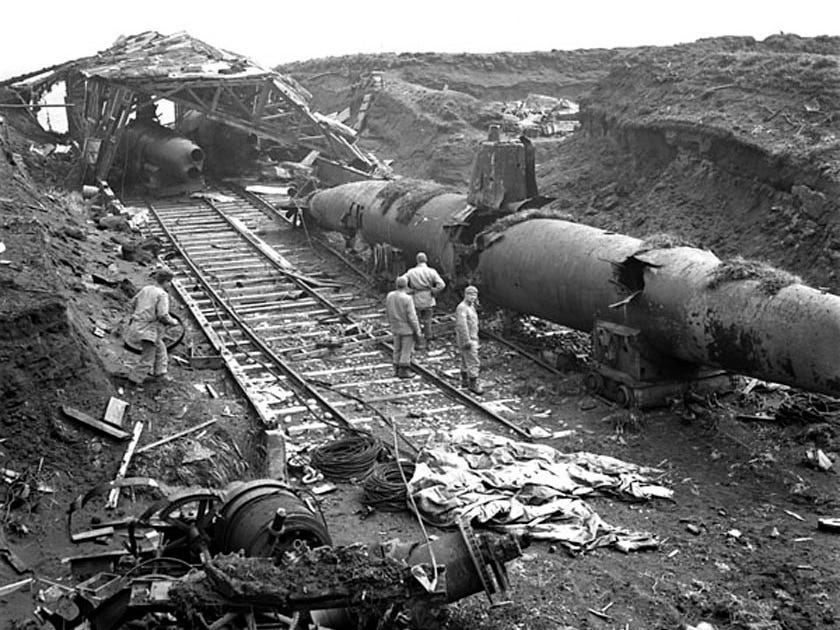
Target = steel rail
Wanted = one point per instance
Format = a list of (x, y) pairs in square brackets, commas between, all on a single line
[(275, 213), (255, 339), (417, 367)]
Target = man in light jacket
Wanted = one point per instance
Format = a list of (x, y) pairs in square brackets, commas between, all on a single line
[(404, 326), (150, 316), (424, 282), (466, 338)]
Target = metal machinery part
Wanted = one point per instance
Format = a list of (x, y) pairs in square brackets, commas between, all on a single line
[(172, 337), (577, 275), (631, 372), (265, 519), (274, 525)]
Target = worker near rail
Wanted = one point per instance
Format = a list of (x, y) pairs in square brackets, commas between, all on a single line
[(149, 319), (466, 338), (424, 283), (405, 327)]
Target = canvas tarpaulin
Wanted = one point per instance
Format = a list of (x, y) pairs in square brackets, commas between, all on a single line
[(533, 488)]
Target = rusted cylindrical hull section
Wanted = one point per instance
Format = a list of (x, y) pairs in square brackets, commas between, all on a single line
[(790, 336), (407, 214), (152, 147), (571, 274), (557, 270)]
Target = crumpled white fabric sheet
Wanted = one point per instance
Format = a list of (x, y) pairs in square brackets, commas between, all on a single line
[(534, 488)]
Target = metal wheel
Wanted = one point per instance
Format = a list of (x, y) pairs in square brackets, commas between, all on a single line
[(171, 337), (593, 382), (624, 397), (189, 517)]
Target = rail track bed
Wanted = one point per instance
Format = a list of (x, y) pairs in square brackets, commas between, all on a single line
[(305, 336)]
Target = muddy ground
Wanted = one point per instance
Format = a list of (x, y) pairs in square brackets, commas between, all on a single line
[(670, 142)]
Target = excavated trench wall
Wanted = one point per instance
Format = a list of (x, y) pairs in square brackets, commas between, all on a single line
[(796, 202)]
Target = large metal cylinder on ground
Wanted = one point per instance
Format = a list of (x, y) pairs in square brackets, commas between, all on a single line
[(159, 155), (411, 215), (573, 274), (265, 519)]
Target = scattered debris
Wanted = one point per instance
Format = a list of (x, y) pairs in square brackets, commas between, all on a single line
[(818, 459), (92, 534), (770, 280), (80, 416), (10, 556), (794, 515), (114, 495), (829, 525), (8, 589), (115, 411), (175, 436)]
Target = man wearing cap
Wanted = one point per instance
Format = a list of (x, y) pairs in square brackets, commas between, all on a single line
[(150, 316), (424, 283), (466, 338), (405, 327)]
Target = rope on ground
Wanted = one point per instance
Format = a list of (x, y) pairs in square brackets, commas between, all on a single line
[(385, 489), (347, 458), (414, 508)]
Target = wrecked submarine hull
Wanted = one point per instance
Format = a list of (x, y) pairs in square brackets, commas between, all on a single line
[(411, 215), (574, 275), (159, 157)]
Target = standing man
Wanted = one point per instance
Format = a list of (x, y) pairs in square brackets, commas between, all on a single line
[(404, 326), (466, 338), (150, 316), (424, 282)]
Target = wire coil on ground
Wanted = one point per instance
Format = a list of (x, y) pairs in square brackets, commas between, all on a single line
[(347, 458), (385, 489)]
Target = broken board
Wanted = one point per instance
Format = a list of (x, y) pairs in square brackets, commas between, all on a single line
[(92, 422), (115, 411)]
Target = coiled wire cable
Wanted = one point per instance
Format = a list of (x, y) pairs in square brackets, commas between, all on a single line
[(347, 458), (385, 489)]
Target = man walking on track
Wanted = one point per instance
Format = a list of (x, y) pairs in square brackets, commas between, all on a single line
[(466, 338), (404, 326), (424, 283)]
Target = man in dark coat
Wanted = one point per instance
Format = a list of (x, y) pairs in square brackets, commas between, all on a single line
[(405, 327)]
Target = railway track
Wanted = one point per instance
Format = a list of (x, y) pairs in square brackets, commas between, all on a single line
[(300, 332)]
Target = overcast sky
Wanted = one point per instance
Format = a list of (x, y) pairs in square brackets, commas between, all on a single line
[(39, 33)]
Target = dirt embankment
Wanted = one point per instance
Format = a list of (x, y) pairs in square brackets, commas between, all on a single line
[(434, 108), (45, 355), (730, 143), (64, 293)]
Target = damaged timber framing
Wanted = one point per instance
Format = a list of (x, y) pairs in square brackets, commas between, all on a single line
[(142, 69)]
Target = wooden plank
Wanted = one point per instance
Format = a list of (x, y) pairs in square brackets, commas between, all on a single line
[(114, 495), (175, 436), (14, 586), (84, 418), (115, 411), (92, 534)]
